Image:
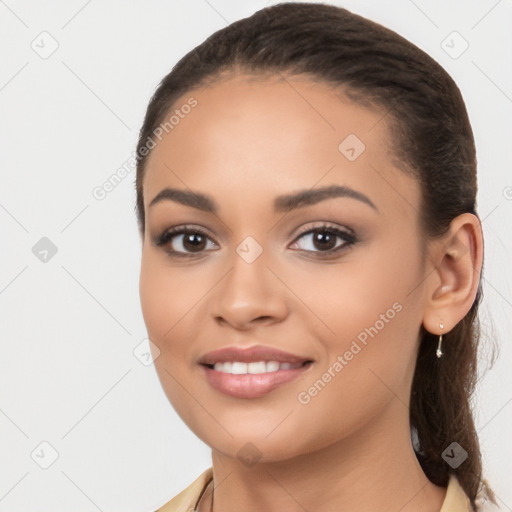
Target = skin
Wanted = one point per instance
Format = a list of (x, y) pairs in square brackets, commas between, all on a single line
[(246, 142)]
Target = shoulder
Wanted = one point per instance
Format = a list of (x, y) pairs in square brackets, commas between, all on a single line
[(456, 499), (486, 500), (187, 499)]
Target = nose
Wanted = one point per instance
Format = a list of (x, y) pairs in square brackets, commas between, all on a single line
[(249, 295)]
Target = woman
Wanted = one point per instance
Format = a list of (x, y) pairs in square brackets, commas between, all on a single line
[(311, 267)]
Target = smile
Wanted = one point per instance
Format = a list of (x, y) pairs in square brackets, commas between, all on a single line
[(251, 372), (252, 380), (254, 368)]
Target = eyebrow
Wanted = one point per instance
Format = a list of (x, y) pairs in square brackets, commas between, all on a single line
[(282, 204)]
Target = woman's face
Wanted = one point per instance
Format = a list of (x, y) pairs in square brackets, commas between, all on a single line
[(262, 272)]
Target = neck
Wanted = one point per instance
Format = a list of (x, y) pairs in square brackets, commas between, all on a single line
[(372, 469)]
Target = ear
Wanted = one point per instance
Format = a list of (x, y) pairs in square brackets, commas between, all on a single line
[(452, 285)]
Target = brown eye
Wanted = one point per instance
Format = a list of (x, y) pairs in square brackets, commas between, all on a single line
[(193, 242), (183, 241), (325, 239)]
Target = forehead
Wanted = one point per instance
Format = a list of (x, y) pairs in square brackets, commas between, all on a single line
[(274, 133)]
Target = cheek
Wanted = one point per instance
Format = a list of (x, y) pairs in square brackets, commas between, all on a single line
[(369, 365), (166, 296), (341, 300), (364, 311), (152, 299), (170, 302)]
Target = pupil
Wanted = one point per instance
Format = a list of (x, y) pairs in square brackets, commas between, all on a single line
[(323, 236), (193, 240)]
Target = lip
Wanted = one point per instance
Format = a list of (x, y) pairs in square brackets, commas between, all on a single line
[(250, 355), (251, 385)]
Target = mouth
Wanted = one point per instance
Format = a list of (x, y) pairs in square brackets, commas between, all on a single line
[(251, 372), (255, 367)]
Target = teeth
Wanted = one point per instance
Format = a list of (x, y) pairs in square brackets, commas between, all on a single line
[(240, 368), (272, 366), (259, 367), (225, 367)]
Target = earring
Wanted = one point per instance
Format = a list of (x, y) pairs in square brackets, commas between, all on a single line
[(439, 352)]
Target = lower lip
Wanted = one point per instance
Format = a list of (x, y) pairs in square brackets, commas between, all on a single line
[(251, 385)]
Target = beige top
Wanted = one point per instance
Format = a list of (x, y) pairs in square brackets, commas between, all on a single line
[(187, 500)]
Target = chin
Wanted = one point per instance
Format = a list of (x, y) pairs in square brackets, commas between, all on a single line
[(250, 450)]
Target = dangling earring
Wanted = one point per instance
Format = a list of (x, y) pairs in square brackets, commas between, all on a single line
[(439, 352)]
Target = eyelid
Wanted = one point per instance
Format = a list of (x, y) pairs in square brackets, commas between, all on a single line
[(326, 225), (345, 233), (163, 237)]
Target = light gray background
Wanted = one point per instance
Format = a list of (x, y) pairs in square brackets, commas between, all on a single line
[(69, 377)]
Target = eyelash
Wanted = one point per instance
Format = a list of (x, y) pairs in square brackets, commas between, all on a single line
[(168, 235)]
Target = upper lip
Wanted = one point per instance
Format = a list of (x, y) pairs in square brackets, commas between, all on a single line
[(251, 354)]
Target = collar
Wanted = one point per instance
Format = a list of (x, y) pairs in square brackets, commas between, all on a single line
[(455, 499)]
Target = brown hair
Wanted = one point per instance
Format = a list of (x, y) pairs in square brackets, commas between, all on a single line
[(432, 140)]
